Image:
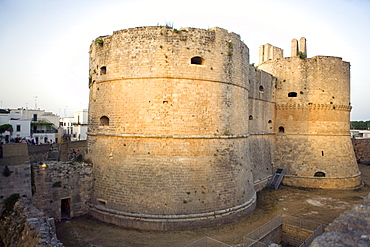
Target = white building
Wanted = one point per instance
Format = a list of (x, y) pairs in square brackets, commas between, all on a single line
[(360, 134), (20, 127), (36, 125), (75, 128), (66, 123)]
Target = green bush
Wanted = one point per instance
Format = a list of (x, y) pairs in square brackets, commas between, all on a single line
[(10, 202)]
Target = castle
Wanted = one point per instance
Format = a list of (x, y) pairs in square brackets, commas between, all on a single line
[(183, 130)]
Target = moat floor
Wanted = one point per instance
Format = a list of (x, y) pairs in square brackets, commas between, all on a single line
[(321, 206)]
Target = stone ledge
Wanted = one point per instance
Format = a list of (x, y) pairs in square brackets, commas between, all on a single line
[(172, 222), (168, 136)]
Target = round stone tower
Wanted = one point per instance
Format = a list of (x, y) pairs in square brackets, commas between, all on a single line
[(313, 120), (167, 128)]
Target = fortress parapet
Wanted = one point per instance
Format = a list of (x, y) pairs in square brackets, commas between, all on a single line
[(312, 120), (168, 129), (183, 130)]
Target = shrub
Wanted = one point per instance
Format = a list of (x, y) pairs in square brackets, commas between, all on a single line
[(10, 202)]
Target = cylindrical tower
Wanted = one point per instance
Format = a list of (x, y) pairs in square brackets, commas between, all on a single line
[(313, 120), (167, 128)]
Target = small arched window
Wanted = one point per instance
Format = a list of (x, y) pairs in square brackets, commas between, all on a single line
[(250, 117), (269, 121), (103, 70), (104, 121), (319, 174), (197, 60), (261, 89), (292, 94), (281, 129)]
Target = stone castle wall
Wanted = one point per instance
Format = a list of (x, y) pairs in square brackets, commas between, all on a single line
[(177, 139), (71, 150), (38, 153), (17, 179), (261, 118), (18, 182), (312, 122), (27, 226), (58, 181), (165, 102), (362, 150), (14, 154)]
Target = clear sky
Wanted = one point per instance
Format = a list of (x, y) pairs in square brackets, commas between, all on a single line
[(44, 44)]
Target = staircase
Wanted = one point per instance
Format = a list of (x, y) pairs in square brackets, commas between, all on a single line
[(276, 179), (54, 153)]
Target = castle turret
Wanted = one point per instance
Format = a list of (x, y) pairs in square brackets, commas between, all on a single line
[(302, 46), (312, 121), (168, 128), (294, 49)]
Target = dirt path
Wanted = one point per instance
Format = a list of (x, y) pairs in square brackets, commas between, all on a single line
[(322, 206)]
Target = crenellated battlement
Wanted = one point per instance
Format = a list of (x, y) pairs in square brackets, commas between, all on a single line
[(311, 106)]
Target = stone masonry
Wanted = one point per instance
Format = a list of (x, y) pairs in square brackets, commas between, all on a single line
[(312, 120), (183, 131), (362, 150), (168, 132)]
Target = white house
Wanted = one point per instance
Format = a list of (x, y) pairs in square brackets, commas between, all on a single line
[(66, 123), (20, 127), (80, 125), (360, 134), (75, 128), (29, 124)]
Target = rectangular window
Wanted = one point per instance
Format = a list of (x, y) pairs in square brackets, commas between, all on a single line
[(18, 127)]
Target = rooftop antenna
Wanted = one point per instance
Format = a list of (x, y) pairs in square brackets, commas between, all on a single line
[(35, 102)]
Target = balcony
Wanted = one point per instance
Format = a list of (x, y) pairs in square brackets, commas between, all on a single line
[(45, 131)]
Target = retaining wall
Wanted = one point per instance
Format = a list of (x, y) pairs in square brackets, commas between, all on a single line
[(26, 226), (362, 150)]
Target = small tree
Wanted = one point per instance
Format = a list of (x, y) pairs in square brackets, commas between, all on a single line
[(302, 55), (6, 127)]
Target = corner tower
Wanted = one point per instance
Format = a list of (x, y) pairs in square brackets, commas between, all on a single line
[(313, 120), (167, 128)]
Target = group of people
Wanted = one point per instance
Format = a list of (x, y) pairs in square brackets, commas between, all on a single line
[(28, 141)]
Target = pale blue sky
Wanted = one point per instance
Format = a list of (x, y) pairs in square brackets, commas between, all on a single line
[(44, 43)]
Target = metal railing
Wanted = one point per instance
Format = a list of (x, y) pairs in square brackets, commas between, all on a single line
[(253, 238), (207, 242), (299, 222), (316, 233), (253, 243), (262, 231)]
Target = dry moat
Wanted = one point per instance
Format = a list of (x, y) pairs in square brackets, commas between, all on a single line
[(321, 206)]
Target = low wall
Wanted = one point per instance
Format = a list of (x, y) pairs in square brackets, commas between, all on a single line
[(293, 235), (362, 150), (38, 153), (17, 181), (14, 154), (62, 190), (70, 150), (275, 236), (26, 226)]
